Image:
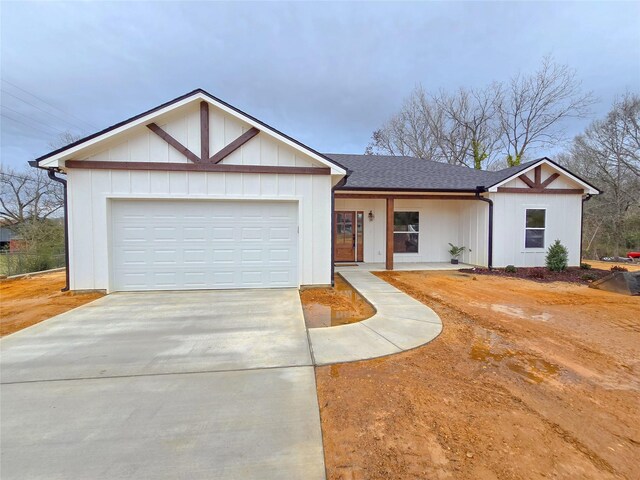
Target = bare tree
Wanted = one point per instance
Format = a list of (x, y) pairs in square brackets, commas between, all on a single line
[(410, 131), (481, 127), (31, 194), (534, 106), (458, 129), (63, 139), (28, 195), (608, 155), (471, 131)]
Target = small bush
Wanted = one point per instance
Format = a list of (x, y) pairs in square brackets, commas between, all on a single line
[(588, 277), (510, 269), (619, 268), (557, 257), (585, 266)]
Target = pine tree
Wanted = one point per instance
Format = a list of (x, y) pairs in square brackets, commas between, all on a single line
[(557, 257)]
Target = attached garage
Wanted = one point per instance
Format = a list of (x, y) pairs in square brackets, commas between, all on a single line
[(195, 194), (203, 244)]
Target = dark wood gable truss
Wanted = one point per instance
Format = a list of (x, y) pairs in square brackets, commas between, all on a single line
[(204, 140), (203, 162), (537, 185)]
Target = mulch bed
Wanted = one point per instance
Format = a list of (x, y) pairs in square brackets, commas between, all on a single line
[(541, 274)]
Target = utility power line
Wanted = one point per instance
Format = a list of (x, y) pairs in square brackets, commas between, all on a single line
[(51, 105), (32, 119), (74, 125), (26, 124)]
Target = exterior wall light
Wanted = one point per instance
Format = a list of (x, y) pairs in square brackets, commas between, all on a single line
[(371, 216)]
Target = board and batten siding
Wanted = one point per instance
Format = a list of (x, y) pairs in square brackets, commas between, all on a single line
[(461, 222), (90, 192), (142, 145), (474, 232), (563, 219)]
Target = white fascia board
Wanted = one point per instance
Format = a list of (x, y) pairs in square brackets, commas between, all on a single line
[(335, 170), (400, 193), (55, 160), (588, 189)]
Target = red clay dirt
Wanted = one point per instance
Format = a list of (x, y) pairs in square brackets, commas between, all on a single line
[(30, 300), (631, 266), (527, 381)]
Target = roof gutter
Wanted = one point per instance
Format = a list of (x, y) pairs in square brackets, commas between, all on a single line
[(585, 199), (481, 189), (51, 172), (341, 183), (52, 176)]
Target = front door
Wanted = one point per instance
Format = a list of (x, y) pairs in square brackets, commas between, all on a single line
[(345, 241)]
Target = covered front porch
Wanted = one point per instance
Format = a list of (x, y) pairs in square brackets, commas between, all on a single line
[(404, 266), (409, 231)]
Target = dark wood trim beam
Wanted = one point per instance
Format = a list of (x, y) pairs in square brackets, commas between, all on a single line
[(537, 172), (204, 131), (196, 167), (233, 146), (389, 227), (173, 142), (567, 191), (527, 180), (404, 197), (549, 180)]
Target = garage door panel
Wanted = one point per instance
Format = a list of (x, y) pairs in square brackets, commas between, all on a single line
[(208, 244)]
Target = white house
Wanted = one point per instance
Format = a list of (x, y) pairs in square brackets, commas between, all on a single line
[(196, 194)]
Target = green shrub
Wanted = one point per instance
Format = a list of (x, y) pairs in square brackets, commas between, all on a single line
[(510, 269), (585, 266), (588, 277), (557, 257), (43, 248), (455, 251)]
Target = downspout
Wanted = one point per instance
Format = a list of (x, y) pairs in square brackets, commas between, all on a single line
[(584, 200), (52, 176), (479, 190), (341, 183)]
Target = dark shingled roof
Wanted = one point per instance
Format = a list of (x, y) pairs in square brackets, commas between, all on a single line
[(388, 172)]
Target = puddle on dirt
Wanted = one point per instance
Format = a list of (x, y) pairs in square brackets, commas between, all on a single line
[(524, 364), (329, 307)]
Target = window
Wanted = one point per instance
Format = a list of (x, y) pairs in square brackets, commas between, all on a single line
[(534, 228), (406, 226)]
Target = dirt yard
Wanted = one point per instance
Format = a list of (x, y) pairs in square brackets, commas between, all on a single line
[(27, 301), (527, 381), (632, 267)]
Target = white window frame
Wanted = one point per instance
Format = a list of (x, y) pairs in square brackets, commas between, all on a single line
[(544, 229), (406, 231)]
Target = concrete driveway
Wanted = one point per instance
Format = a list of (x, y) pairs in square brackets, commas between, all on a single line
[(209, 384)]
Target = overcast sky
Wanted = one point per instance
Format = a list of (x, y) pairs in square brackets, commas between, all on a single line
[(327, 74)]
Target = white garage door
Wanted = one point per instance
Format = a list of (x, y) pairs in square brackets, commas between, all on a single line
[(180, 245)]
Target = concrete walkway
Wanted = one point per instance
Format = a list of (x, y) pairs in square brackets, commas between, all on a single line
[(193, 385), (400, 323), (401, 266)]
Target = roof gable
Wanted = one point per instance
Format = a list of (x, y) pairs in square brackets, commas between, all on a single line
[(399, 173), (107, 136), (510, 174)]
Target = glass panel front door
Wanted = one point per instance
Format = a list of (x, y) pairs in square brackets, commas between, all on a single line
[(345, 241)]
